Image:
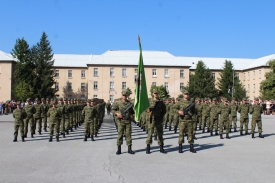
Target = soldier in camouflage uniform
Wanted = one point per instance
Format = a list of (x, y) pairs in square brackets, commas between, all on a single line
[(185, 121), (205, 115), (233, 115), (166, 116), (45, 109), (88, 113), (256, 110), (67, 111), (60, 107), (171, 114), (224, 119), (124, 122), (156, 112), (243, 109), (37, 117), (199, 112), (214, 116), (30, 110), (19, 116), (71, 107), (175, 117), (54, 115)]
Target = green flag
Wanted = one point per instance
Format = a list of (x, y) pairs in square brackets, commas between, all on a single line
[(141, 98)]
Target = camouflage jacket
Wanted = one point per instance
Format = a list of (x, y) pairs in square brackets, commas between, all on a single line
[(234, 109), (243, 109), (256, 111), (88, 113), (120, 107), (225, 111), (215, 110), (205, 110), (19, 115), (157, 110), (30, 110), (180, 106), (38, 110), (54, 114)]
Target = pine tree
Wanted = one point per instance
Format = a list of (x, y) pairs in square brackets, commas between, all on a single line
[(23, 91), (267, 86), (201, 83), (228, 83), (42, 57)]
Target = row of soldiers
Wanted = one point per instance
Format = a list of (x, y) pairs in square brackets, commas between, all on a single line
[(63, 114)]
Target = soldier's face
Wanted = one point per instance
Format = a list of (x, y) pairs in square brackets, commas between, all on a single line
[(186, 96), (88, 103), (124, 97), (156, 95)]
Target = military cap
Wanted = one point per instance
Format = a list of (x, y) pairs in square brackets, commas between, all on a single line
[(53, 102), (60, 98), (177, 98), (197, 98), (205, 98), (18, 103), (244, 98), (28, 99), (65, 99), (214, 98), (225, 99), (93, 99), (89, 100), (192, 99), (256, 99), (36, 99), (185, 91), (155, 91), (124, 93)]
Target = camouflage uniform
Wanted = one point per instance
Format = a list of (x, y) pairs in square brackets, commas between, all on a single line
[(224, 119), (256, 110), (233, 115), (30, 110), (54, 115), (19, 115), (88, 114), (214, 117), (205, 116), (243, 109), (45, 109), (37, 117)]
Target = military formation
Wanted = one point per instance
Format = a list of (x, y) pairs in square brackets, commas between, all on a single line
[(184, 116)]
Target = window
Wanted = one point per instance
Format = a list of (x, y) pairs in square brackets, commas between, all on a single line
[(111, 85), (95, 72), (248, 76), (260, 74), (123, 85), (166, 85), (136, 70), (154, 84), (83, 86), (95, 96), (166, 73), (56, 73), (124, 73), (181, 86), (70, 73), (254, 75), (248, 88), (136, 78), (82, 97), (244, 76), (112, 72), (56, 86), (111, 98), (154, 72), (214, 75), (181, 73), (95, 85), (254, 88), (69, 86), (238, 76), (83, 73)]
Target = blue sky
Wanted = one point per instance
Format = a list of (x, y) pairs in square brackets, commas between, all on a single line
[(202, 28)]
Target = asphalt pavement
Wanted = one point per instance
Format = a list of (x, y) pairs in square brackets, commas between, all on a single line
[(239, 159)]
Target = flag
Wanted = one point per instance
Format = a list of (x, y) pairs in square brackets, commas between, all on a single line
[(141, 97)]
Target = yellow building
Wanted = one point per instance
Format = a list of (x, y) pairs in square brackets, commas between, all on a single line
[(105, 76)]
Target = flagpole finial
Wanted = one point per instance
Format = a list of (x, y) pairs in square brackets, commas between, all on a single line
[(138, 39)]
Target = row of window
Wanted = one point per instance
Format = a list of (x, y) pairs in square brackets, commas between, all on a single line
[(70, 73), (248, 88), (254, 75), (124, 86)]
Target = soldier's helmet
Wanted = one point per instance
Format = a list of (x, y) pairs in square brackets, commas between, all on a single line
[(18, 103), (28, 100), (60, 98), (124, 93), (225, 99), (89, 100), (244, 98), (185, 91), (65, 99), (36, 99), (53, 102), (256, 99), (155, 91)]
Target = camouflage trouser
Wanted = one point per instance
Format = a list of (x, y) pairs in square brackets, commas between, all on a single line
[(194, 124), (71, 121), (127, 129), (214, 122), (199, 120), (39, 121), (18, 125), (224, 123), (54, 125), (62, 125), (233, 120), (67, 123), (158, 128), (45, 120), (166, 119), (258, 123), (26, 123), (170, 119), (244, 121), (205, 121), (183, 127), (176, 120), (89, 128)]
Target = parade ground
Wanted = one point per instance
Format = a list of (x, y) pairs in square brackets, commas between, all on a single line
[(239, 159)]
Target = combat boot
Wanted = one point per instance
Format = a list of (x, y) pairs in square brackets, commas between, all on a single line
[(165, 126), (216, 132), (95, 134), (71, 129), (57, 138), (192, 148), (92, 138), (75, 127), (200, 128), (15, 139), (260, 135), (162, 150), (144, 129), (253, 135), (235, 130), (194, 137), (227, 136), (64, 135), (45, 130), (22, 137), (246, 132), (32, 135), (211, 133), (221, 137), (203, 130), (85, 138), (156, 137), (170, 128), (208, 130), (176, 128), (67, 132), (241, 132), (118, 150), (180, 148), (130, 150), (51, 139), (39, 132), (148, 149), (230, 130)]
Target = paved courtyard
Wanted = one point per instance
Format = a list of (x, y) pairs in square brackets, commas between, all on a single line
[(239, 159)]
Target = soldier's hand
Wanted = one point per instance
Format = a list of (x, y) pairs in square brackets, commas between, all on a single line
[(119, 115), (181, 113)]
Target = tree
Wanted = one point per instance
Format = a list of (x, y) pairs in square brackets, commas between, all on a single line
[(267, 86), (163, 93), (23, 91), (227, 84), (42, 57), (201, 83)]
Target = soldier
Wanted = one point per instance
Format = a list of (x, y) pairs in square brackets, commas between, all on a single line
[(205, 115), (108, 107), (185, 121), (233, 115), (156, 112), (45, 109), (199, 112), (243, 109), (224, 119), (171, 115), (60, 107), (19, 115), (166, 116), (175, 116), (71, 106), (124, 122), (214, 116), (88, 113), (66, 116), (37, 116), (54, 115), (30, 110), (256, 110)]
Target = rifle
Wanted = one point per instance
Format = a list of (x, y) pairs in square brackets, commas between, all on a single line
[(125, 111), (187, 109), (151, 113)]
